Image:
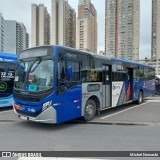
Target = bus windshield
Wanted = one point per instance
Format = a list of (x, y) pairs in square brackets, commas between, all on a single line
[(34, 76), (7, 71)]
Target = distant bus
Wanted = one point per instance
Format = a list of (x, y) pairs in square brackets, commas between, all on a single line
[(157, 90), (54, 84), (7, 70)]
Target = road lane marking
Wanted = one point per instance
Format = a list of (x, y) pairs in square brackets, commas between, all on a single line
[(6, 111), (154, 100), (123, 111), (44, 158)]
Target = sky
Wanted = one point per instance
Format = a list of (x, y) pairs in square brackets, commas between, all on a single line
[(20, 10)]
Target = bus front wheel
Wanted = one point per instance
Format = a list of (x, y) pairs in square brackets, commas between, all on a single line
[(90, 110), (140, 97)]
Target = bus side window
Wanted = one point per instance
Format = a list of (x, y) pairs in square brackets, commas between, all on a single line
[(86, 65), (119, 72), (118, 76), (75, 78), (136, 74), (141, 73), (65, 82)]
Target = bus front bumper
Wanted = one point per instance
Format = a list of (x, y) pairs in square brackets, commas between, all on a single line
[(47, 116)]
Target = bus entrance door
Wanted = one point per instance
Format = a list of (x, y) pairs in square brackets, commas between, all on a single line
[(129, 85), (106, 89)]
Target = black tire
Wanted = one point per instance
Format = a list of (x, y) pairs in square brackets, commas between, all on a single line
[(90, 110), (140, 97)]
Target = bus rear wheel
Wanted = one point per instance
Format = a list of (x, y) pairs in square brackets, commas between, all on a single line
[(140, 97), (90, 110)]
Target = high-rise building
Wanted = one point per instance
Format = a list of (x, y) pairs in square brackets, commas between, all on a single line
[(1, 33), (155, 53), (63, 24), (22, 39), (86, 26), (122, 25), (40, 25), (27, 40), (15, 37)]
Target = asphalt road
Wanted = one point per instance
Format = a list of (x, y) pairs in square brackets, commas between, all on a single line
[(126, 128)]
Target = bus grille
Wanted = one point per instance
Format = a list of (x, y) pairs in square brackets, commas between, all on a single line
[(30, 99)]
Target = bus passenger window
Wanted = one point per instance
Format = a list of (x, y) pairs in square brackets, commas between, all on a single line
[(136, 74), (75, 78), (118, 76), (65, 82), (141, 73)]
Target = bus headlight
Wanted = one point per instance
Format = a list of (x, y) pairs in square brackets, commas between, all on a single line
[(46, 105)]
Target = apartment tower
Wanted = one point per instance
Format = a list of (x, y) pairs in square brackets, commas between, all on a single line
[(122, 27), (1, 33), (16, 38), (86, 26), (63, 24), (40, 25), (155, 53)]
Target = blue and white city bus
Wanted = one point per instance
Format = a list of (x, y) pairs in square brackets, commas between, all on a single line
[(54, 84), (7, 69)]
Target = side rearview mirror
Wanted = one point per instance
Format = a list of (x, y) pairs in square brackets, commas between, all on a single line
[(69, 71)]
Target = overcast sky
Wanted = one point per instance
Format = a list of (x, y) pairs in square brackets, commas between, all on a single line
[(20, 10)]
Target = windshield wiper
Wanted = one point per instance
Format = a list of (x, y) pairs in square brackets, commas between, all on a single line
[(39, 61), (29, 70)]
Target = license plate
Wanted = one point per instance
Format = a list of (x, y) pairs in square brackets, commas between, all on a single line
[(24, 117)]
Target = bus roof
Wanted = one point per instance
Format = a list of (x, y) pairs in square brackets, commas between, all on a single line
[(130, 62), (7, 57), (94, 55), (101, 57)]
